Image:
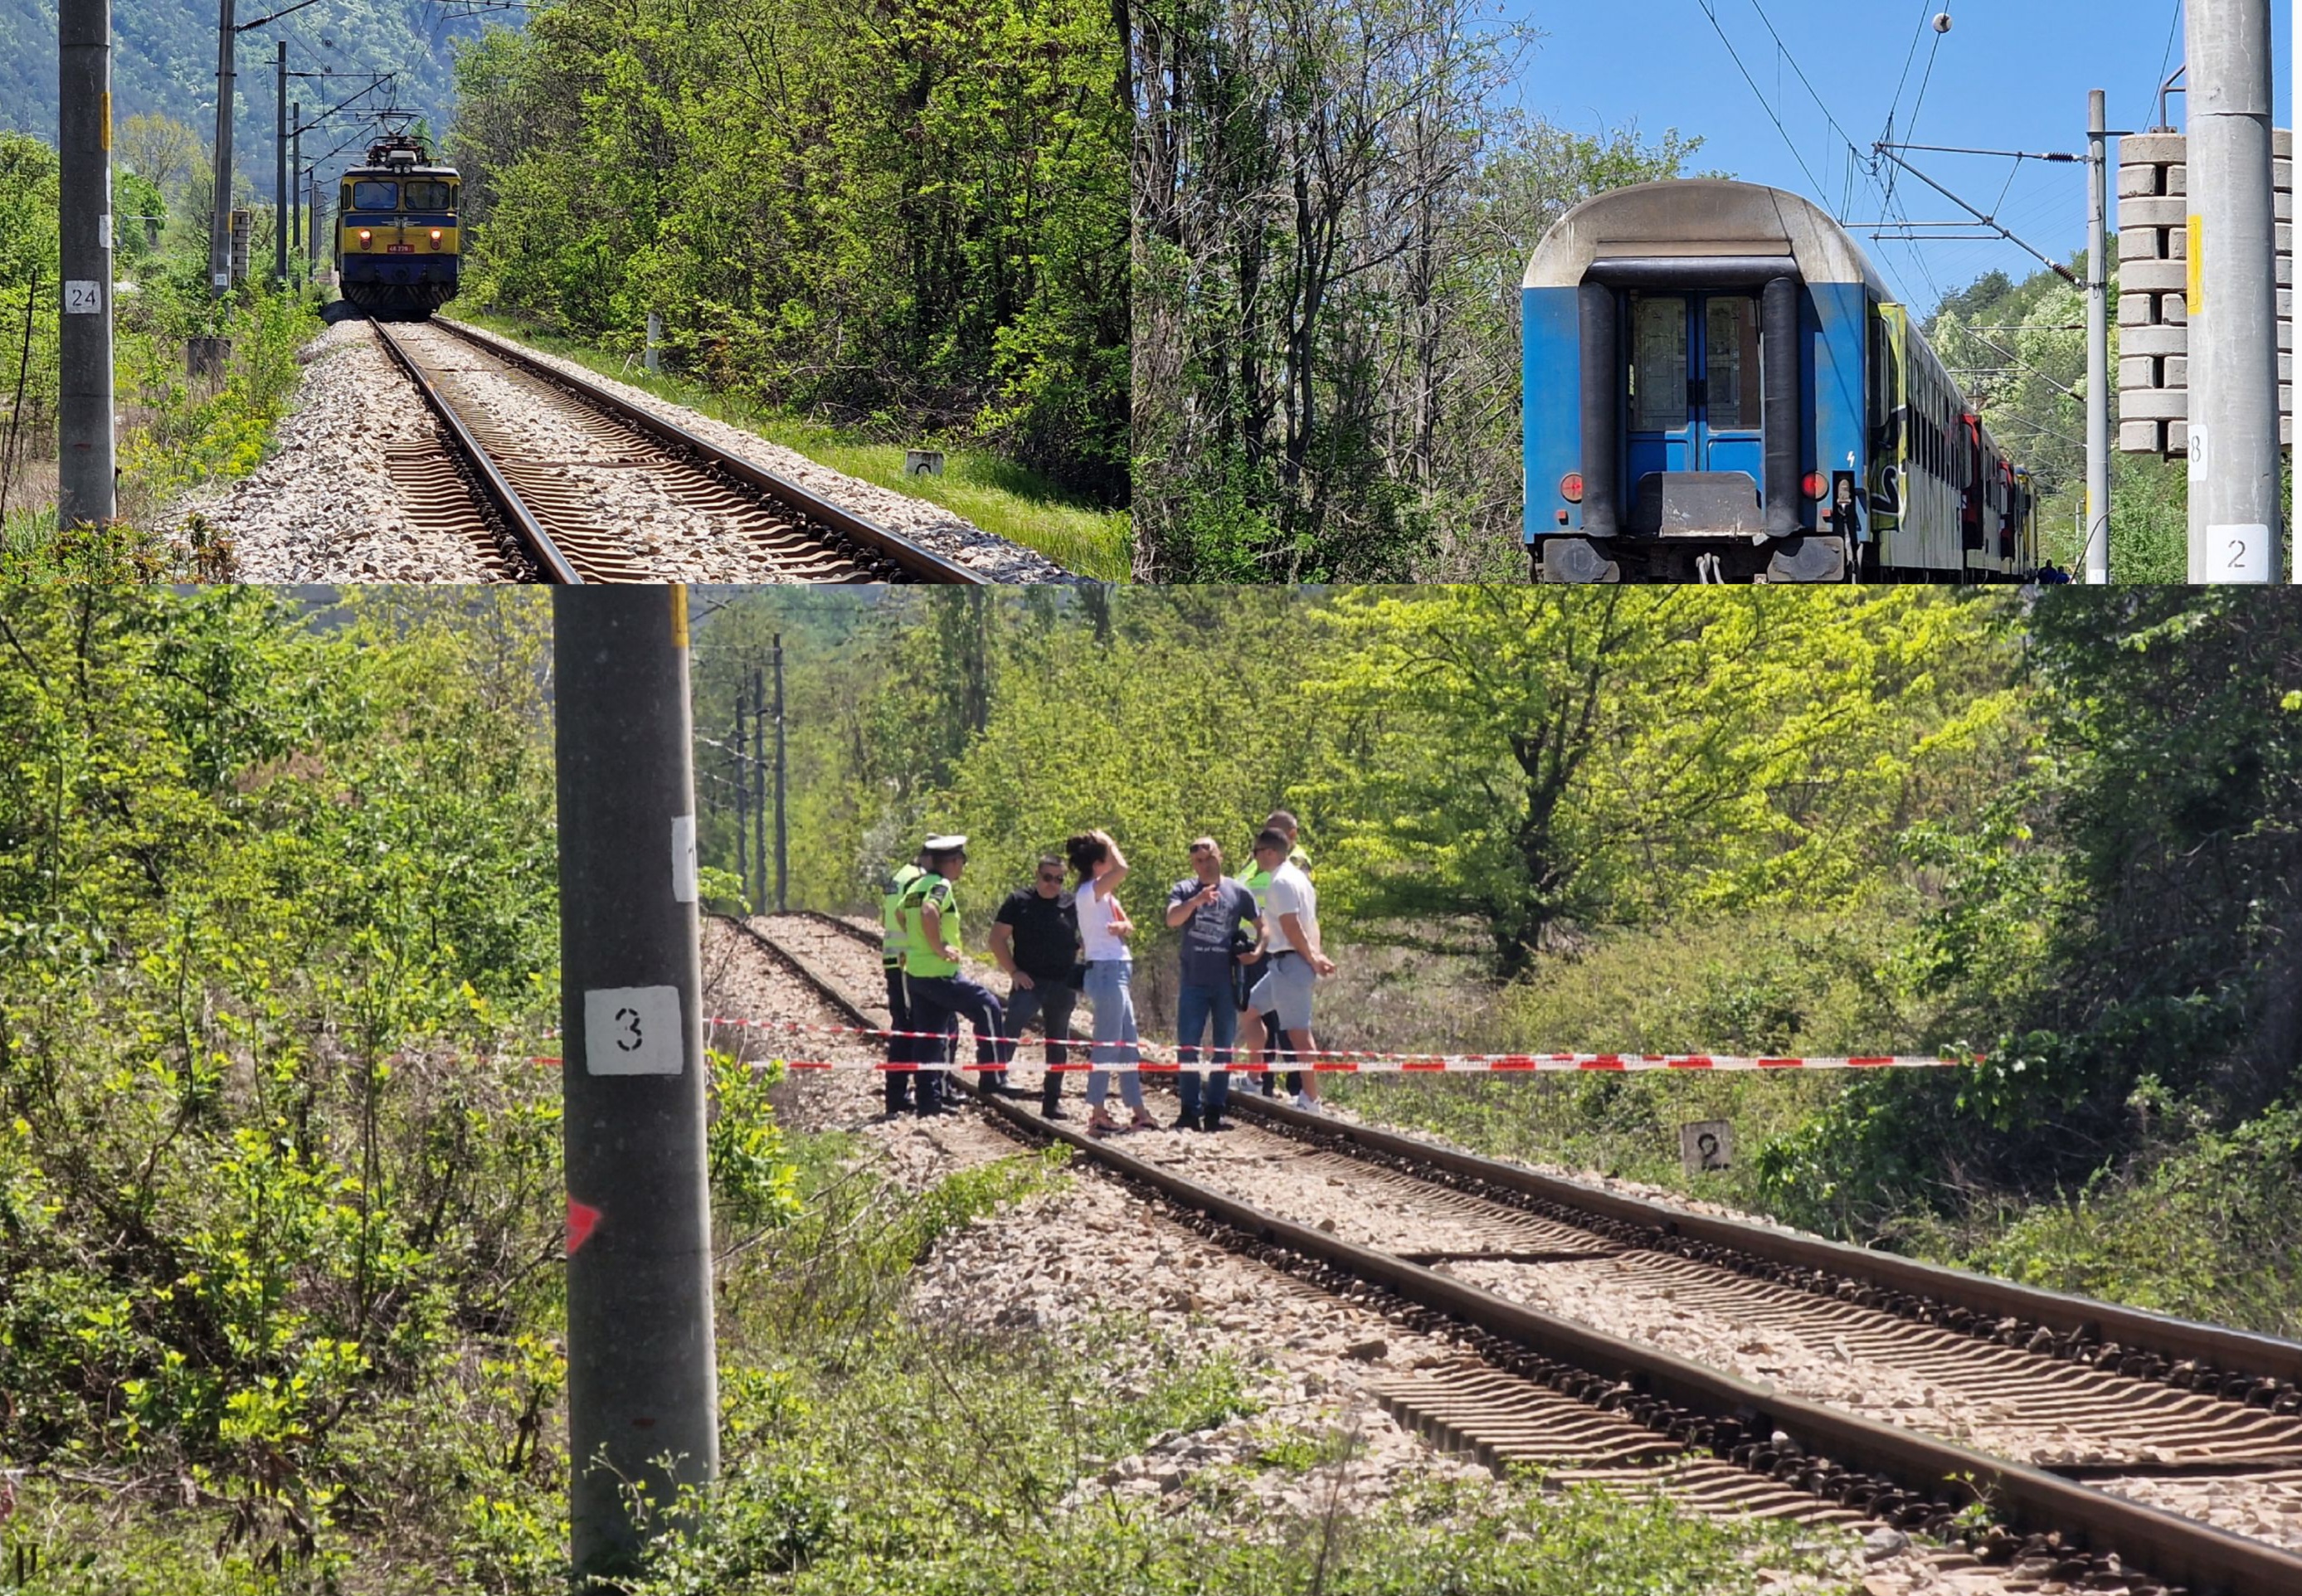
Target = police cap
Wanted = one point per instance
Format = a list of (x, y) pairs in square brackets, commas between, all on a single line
[(955, 843)]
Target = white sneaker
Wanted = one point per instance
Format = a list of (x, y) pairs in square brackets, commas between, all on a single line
[(1306, 1101)]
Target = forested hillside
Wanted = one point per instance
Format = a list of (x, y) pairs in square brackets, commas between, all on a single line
[(164, 59), (910, 220)]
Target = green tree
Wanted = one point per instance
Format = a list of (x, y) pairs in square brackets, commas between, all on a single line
[(908, 217), (1509, 766)]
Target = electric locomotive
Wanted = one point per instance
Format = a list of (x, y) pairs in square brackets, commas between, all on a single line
[(1719, 387), (398, 247)]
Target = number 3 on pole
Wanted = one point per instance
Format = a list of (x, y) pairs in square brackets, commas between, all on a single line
[(633, 1031)]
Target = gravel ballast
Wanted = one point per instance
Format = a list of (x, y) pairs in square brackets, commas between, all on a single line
[(324, 506), (931, 525)]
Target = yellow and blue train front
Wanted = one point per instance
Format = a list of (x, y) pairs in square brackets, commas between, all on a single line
[(398, 244), (1695, 400), (411, 252)]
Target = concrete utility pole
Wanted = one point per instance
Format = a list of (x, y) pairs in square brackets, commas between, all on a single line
[(219, 239), (2094, 557), (782, 835), (296, 175), (743, 802), (2294, 358), (2233, 304), (642, 1381), (280, 175), (84, 475), (756, 774)]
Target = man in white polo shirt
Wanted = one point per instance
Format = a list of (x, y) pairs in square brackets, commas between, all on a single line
[(1291, 922)]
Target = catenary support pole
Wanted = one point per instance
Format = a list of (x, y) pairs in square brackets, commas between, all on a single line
[(2294, 305), (296, 177), (2232, 305), (220, 220), (783, 848), (640, 1378), (2095, 553), (280, 173), (84, 420), (755, 772), (742, 780)]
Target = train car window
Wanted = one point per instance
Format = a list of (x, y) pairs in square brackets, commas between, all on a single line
[(424, 195), (1730, 351), (1657, 364), (370, 194)]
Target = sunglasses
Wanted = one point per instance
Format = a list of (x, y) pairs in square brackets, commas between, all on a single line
[(1056, 876)]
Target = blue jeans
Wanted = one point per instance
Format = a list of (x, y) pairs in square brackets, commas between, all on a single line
[(1109, 987), (1198, 1008)]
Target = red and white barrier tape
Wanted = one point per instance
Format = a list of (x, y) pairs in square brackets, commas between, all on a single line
[(1330, 1061), (1343, 1061)]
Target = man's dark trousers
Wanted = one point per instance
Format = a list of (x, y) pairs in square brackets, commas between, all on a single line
[(938, 1002)]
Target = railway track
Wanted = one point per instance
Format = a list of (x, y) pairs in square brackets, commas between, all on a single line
[(573, 484), (2122, 1401)]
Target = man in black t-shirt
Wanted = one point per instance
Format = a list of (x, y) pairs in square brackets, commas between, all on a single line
[(1036, 940)]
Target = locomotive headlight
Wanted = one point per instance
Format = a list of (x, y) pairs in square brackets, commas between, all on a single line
[(364, 236), (435, 237)]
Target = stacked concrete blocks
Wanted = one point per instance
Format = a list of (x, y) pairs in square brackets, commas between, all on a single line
[(2153, 285)]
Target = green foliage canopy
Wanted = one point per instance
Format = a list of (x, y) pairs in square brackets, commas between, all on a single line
[(915, 212)]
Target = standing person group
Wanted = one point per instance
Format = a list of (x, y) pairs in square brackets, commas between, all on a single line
[(1249, 954)]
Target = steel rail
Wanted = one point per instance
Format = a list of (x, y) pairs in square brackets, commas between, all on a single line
[(814, 977), (2133, 1328), (917, 561), (2205, 1560), (554, 566)]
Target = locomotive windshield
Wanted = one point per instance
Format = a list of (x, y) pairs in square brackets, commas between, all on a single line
[(371, 194), (426, 195)]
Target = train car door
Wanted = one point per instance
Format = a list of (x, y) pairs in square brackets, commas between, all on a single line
[(1693, 408)]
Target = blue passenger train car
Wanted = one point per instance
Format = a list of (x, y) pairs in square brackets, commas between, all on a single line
[(1718, 387)]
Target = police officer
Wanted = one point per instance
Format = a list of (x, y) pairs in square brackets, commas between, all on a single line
[(900, 1049), (936, 990)]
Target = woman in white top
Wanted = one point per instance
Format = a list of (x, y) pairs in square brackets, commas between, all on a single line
[(1104, 926)]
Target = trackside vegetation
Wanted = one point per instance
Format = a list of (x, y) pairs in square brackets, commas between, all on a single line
[(177, 432), (911, 221), (281, 1208)]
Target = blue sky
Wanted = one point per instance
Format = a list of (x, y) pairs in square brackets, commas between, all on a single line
[(2010, 74)]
